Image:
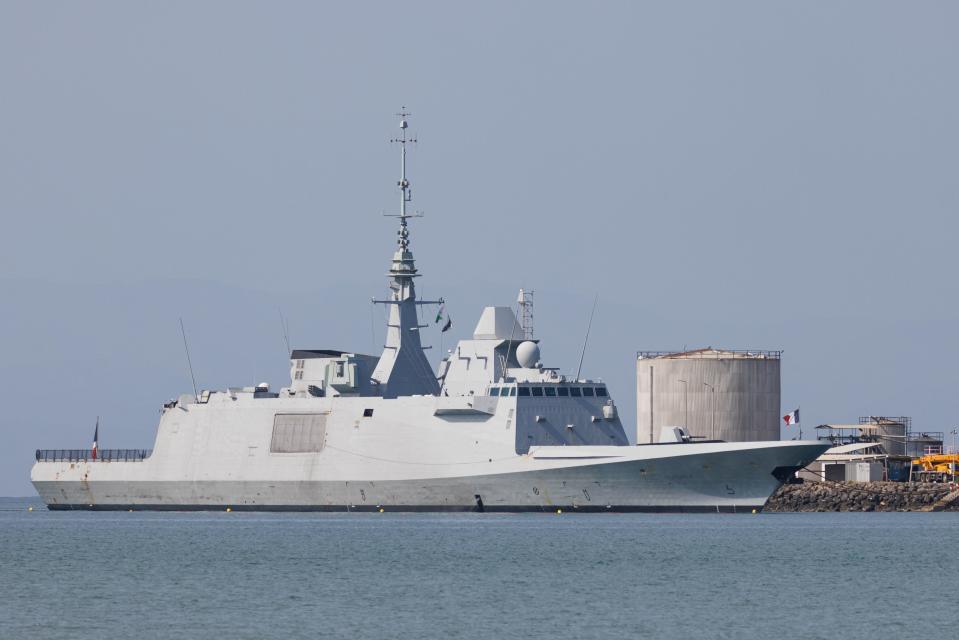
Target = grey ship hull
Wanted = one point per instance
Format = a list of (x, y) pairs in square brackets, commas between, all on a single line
[(711, 477)]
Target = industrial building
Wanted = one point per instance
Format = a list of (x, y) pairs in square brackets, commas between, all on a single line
[(895, 434), (878, 448), (853, 462), (715, 394)]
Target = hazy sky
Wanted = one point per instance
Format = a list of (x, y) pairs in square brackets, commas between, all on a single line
[(778, 175)]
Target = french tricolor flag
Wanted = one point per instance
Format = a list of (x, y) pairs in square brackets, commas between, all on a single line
[(96, 437), (791, 418)]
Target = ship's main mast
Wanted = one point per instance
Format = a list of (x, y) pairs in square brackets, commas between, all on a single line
[(403, 369)]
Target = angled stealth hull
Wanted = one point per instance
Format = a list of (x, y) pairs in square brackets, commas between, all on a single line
[(713, 477)]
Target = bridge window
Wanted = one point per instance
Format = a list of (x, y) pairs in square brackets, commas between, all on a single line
[(601, 392), (575, 392), (494, 391), (524, 391), (588, 392), (550, 392), (512, 392), (537, 391), (563, 392)]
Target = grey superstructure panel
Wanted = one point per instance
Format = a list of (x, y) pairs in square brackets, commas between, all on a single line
[(298, 433), (564, 421)]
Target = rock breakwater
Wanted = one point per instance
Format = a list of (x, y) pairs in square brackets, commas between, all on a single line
[(863, 496)]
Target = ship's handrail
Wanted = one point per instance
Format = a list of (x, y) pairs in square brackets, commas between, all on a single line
[(86, 455)]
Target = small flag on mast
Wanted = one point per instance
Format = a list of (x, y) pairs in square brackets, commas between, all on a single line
[(449, 323), (439, 314), (791, 418), (96, 437)]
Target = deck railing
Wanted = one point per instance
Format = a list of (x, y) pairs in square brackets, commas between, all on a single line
[(86, 455)]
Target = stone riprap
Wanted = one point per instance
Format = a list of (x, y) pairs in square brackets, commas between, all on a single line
[(863, 496)]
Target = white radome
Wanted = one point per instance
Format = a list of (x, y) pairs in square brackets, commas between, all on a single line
[(527, 354)]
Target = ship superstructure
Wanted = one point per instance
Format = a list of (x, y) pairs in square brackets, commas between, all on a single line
[(492, 429), (403, 369)]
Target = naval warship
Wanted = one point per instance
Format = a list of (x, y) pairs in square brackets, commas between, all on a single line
[(492, 429)]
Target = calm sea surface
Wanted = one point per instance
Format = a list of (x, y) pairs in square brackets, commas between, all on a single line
[(243, 575)]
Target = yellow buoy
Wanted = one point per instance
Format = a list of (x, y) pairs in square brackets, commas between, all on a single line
[(29, 508), (754, 511), (382, 510), (228, 509), (558, 511)]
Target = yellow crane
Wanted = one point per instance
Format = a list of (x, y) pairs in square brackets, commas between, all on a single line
[(941, 467)]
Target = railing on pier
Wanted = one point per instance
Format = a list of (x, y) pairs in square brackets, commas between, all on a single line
[(86, 455)]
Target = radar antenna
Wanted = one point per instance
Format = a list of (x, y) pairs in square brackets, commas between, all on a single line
[(406, 192), (525, 300)]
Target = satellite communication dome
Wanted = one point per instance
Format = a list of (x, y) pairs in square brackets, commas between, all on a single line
[(527, 353)]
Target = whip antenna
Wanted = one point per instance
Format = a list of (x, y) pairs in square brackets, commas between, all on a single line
[(588, 327), (286, 331), (186, 348)]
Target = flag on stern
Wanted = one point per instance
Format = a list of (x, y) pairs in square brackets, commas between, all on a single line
[(791, 418), (96, 437)]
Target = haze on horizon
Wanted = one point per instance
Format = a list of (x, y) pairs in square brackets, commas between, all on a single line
[(766, 175)]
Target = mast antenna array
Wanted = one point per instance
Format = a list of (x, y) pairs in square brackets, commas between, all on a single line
[(525, 300), (406, 191)]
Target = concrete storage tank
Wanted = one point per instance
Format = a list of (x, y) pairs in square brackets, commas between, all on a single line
[(717, 394)]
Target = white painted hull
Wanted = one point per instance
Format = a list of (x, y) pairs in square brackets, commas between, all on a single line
[(678, 477)]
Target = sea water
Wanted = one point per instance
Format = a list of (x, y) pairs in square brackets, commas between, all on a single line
[(394, 575)]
